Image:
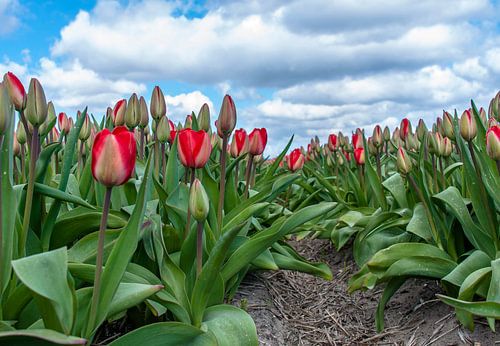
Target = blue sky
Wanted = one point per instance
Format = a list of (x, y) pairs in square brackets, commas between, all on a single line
[(307, 67)]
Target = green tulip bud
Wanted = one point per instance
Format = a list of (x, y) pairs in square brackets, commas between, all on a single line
[(204, 118), (198, 202), (6, 110), (20, 133), (36, 104), (163, 130), (421, 130), (448, 125), (133, 112), (50, 121), (157, 106), (494, 108), (143, 110), (468, 127), (403, 162)]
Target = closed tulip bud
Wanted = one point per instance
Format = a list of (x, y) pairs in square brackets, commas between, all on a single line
[(403, 162), (494, 108), (133, 112), (204, 118), (342, 140), (173, 131), (20, 133), (468, 127), (333, 143), (436, 143), (50, 121), (215, 140), (371, 148), (239, 144), (493, 142), (387, 134), (492, 122), (377, 139), (188, 123), (359, 156), (447, 148), (119, 112), (163, 130), (16, 91), (143, 110), (85, 130), (448, 125), (16, 147), (421, 130), (199, 203), (482, 116), (109, 114), (6, 110), (340, 159), (227, 116), (63, 123), (439, 126), (396, 135), (258, 141), (357, 141), (36, 104), (405, 128), (295, 160), (113, 156), (194, 148), (157, 106)]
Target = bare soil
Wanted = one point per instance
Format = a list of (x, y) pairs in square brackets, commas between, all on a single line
[(292, 308)]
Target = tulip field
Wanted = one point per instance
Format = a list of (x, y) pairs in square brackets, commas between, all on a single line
[(129, 217)]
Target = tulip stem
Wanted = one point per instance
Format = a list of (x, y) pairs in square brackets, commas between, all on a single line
[(434, 171), (442, 172), (99, 261), (141, 149), (22, 158), (199, 248), (157, 154), (222, 180), (498, 166), (188, 219), (80, 157), (25, 125), (379, 168), (163, 164), (1, 218), (29, 193), (247, 174), (236, 174)]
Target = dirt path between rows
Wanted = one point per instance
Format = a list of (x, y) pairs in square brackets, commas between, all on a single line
[(298, 309)]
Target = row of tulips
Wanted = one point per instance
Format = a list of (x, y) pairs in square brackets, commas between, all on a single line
[(415, 204), (133, 217)]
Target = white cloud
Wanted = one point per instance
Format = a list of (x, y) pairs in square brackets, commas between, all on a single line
[(9, 16), (183, 104)]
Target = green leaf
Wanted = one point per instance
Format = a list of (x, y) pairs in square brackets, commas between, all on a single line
[(396, 186), (392, 286), (166, 334), (38, 337), (289, 263), (272, 169), (60, 195), (476, 260), (494, 290), (429, 267), (419, 223), (231, 326), (46, 275), (484, 309)]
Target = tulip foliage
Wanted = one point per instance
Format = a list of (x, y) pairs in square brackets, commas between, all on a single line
[(137, 217), (423, 204)]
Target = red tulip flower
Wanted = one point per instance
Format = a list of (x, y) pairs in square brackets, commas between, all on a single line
[(357, 140), (194, 148), (16, 91), (258, 141), (359, 156), (63, 123), (405, 128), (113, 156), (119, 112), (333, 143), (295, 160), (493, 142), (240, 143), (173, 131)]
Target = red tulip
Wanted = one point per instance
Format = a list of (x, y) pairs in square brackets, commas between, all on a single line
[(295, 160), (258, 141), (16, 90), (493, 142), (113, 156), (194, 148), (468, 126), (359, 156), (405, 128), (347, 155), (357, 140), (173, 131), (333, 143), (119, 112), (227, 117), (377, 137), (240, 143), (63, 123)]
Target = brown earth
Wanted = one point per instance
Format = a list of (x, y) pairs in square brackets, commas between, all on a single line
[(292, 308)]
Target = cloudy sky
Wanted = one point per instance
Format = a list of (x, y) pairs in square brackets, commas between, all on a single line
[(306, 67)]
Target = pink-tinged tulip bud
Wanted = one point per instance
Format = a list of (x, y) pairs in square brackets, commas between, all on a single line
[(133, 112), (173, 131), (258, 141), (421, 130), (493, 142), (199, 204), (113, 156), (109, 114), (333, 143), (119, 112), (482, 116), (227, 116), (357, 141), (468, 127), (377, 136), (36, 104), (494, 108), (20, 133), (240, 143), (448, 125), (50, 121), (492, 122), (163, 130), (63, 123), (403, 162), (204, 118), (371, 148), (188, 123), (347, 155), (359, 156), (215, 141), (295, 160), (396, 135), (157, 106), (16, 91), (6, 110), (435, 143), (447, 147), (54, 135), (194, 148), (405, 128), (143, 109), (85, 130), (439, 126), (16, 147)]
